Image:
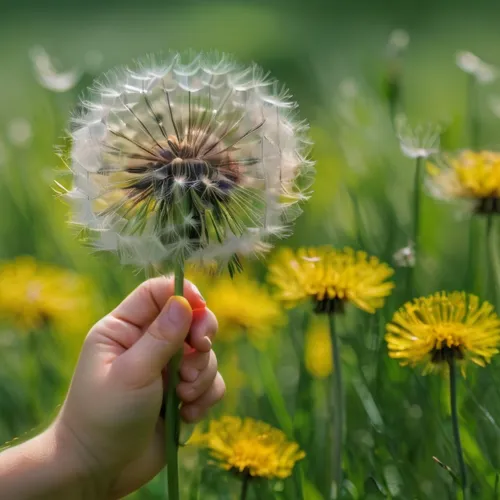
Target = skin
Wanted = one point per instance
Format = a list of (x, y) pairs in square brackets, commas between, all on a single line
[(108, 439)]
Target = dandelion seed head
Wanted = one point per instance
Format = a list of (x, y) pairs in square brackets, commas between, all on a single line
[(421, 141), (432, 330), (200, 135)]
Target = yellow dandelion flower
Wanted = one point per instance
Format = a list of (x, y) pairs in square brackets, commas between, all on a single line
[(243, 306), (251, 447), (432, 330), (318, 350), (470, 175), (330, 278), (33, 294)]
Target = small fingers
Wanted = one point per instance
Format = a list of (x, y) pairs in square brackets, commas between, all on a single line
[(189, 391), (203, 330), (196, 410)]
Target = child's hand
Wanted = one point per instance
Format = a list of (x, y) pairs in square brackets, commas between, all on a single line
[(111, 415)]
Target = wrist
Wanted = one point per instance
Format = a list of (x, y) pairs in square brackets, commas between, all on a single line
[(53, 465)]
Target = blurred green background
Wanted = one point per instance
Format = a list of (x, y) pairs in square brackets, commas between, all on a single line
[(334, 57)]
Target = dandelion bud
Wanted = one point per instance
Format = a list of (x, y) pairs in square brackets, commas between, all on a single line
[(188, 159)]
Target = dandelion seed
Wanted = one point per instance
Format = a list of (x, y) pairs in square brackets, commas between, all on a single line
[(250, 448), (473, 65), (399, 40), (19, 132), (417, 142), (47, 75), (405, 257), (201, 140), (432, 330), (330, 278), (469, 175)]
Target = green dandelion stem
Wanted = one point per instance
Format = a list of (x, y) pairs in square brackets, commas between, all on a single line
[(244, 486), (172, 417), (337, 406), (456, 429)]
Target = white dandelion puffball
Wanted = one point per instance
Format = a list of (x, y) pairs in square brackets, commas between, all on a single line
[(189, 158)]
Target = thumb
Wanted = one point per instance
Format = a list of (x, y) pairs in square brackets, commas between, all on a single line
[(143, 363)]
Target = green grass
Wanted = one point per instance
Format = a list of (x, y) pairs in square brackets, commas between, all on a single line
[(396, 419)]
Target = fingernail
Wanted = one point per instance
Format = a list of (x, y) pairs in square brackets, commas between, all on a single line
[(176, 310), (207, 342), (190, 374)]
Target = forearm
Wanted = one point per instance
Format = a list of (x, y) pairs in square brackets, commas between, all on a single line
[(48, 467)]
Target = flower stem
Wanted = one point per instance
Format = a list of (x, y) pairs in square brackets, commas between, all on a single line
[(172, 418), (337, 406), (416, 222), (456, 429), (244, 486)]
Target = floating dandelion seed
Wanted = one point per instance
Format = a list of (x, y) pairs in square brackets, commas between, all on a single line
[(431, 330), (47, 74), (330, 278), (405, 257), (188, 159), (469, 175), (398, 42), (473, 65), (250, 447)]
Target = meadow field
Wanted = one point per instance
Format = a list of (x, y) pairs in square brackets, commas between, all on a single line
[(395, 102)]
